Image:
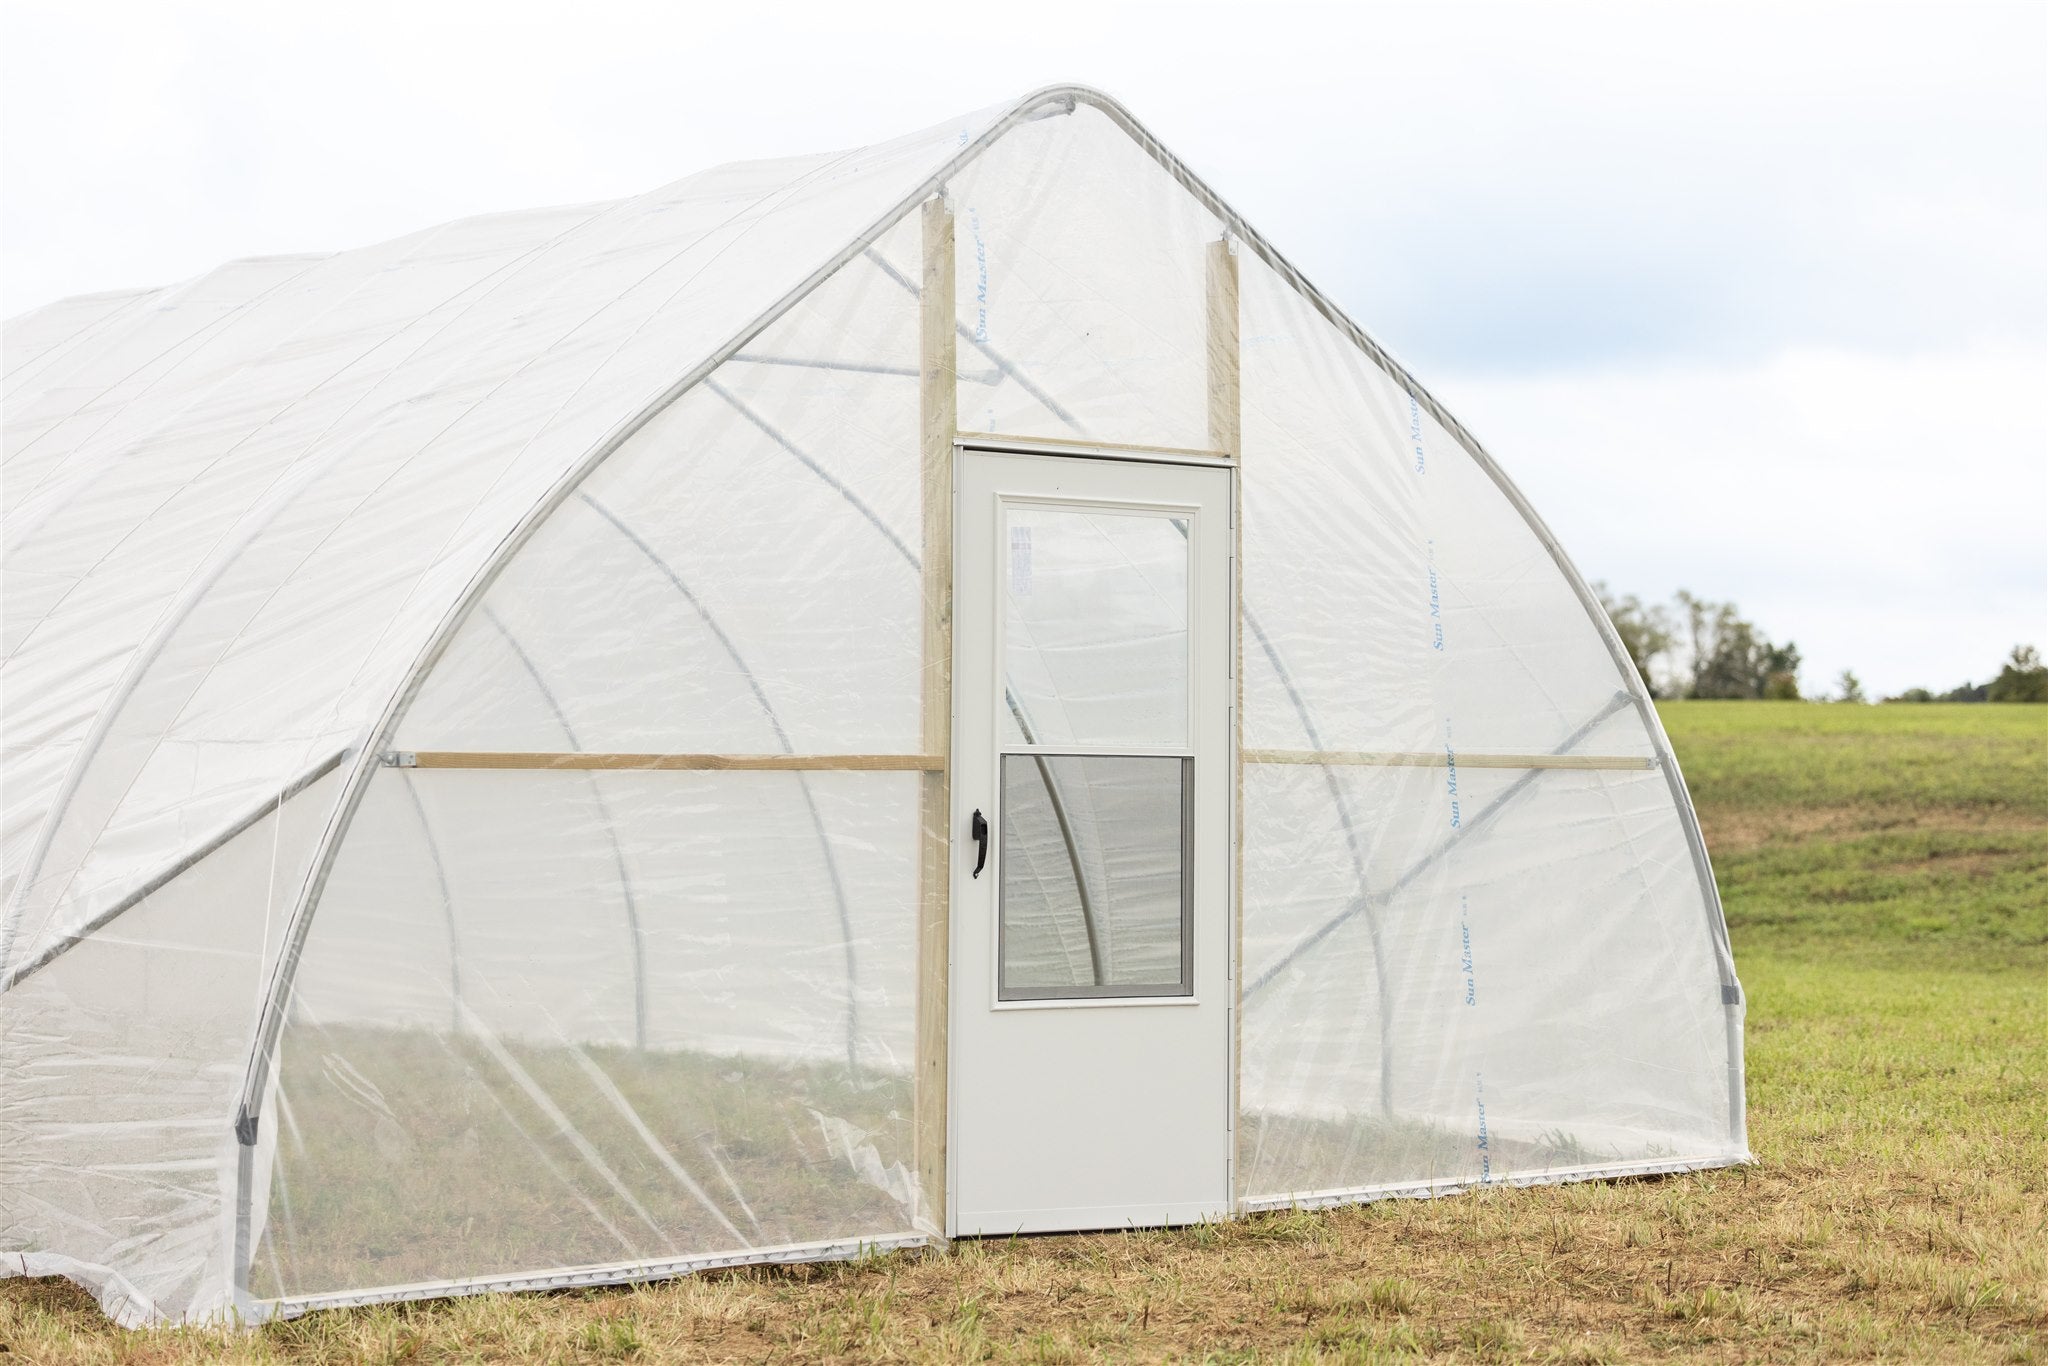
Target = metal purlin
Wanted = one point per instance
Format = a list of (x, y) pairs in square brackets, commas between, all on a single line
[(1051, 101)]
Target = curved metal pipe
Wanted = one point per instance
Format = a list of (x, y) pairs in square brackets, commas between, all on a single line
[(782, 738), (447, 906), (911, 558), (1066, 828), (249, 528), (274, 805), (1383, 987), (1365, 902), (1004, 367), (604, 812), (825, 476)]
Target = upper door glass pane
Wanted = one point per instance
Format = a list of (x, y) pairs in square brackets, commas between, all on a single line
[(1095, 640)]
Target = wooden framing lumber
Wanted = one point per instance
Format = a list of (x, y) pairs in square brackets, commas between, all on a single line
[(1225, 400), (938, 425), (710, 763), (1441, 759), (1225, 429)]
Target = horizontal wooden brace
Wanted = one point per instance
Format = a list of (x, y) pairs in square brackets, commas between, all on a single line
[(1441, 759), (697, 763)]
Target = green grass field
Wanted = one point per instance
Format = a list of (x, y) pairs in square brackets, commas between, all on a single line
[(1885, 871)]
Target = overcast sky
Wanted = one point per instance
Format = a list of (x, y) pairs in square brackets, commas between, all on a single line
[(1749, 300)]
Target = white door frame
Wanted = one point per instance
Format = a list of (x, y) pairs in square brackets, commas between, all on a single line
[(1195, 1033)]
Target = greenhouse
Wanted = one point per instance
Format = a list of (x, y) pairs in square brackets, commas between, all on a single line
[(930, 691)]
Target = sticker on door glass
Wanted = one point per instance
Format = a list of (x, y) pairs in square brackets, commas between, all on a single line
[(1020, 561)]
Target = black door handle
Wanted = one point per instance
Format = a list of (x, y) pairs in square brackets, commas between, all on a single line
[(979, 828)]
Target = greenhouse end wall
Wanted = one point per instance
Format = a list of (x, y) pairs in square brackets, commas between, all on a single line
[(566, 1018), (552, 1025), (1454, 973)]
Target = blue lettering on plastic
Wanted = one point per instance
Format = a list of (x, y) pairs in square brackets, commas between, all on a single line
[(1451, 776), (980, 277), (1436, 601), (1485, 1155), (1465, 950), (1415, 431)]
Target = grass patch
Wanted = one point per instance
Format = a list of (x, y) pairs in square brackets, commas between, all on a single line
[(1883, 870), (1935, 761)]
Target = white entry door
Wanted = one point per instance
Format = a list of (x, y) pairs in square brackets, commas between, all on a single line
[(1091, 973)]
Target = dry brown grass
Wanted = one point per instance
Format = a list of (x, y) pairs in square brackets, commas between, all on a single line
[(1899, 1210), (1741, 830), (1787, 1261)]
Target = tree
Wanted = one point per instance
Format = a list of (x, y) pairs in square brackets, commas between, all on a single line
[(2023, 679), (1849, 688), (1730, 657), (1645, 631)]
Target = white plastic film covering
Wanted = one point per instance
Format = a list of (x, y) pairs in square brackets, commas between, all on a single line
[(242, 558), (119, 1067), (1082, 308), (543, 1023), (1453, 972), (642, 1016)]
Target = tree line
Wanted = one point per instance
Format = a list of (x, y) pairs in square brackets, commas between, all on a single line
[(1696, 648)]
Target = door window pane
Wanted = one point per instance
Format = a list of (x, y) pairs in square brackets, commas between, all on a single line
[(1095, 886), (1095, 640)]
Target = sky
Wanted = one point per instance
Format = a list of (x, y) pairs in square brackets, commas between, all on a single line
[(1749, 300)]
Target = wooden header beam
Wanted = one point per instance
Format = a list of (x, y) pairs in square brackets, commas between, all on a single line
[(1439, 759)]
